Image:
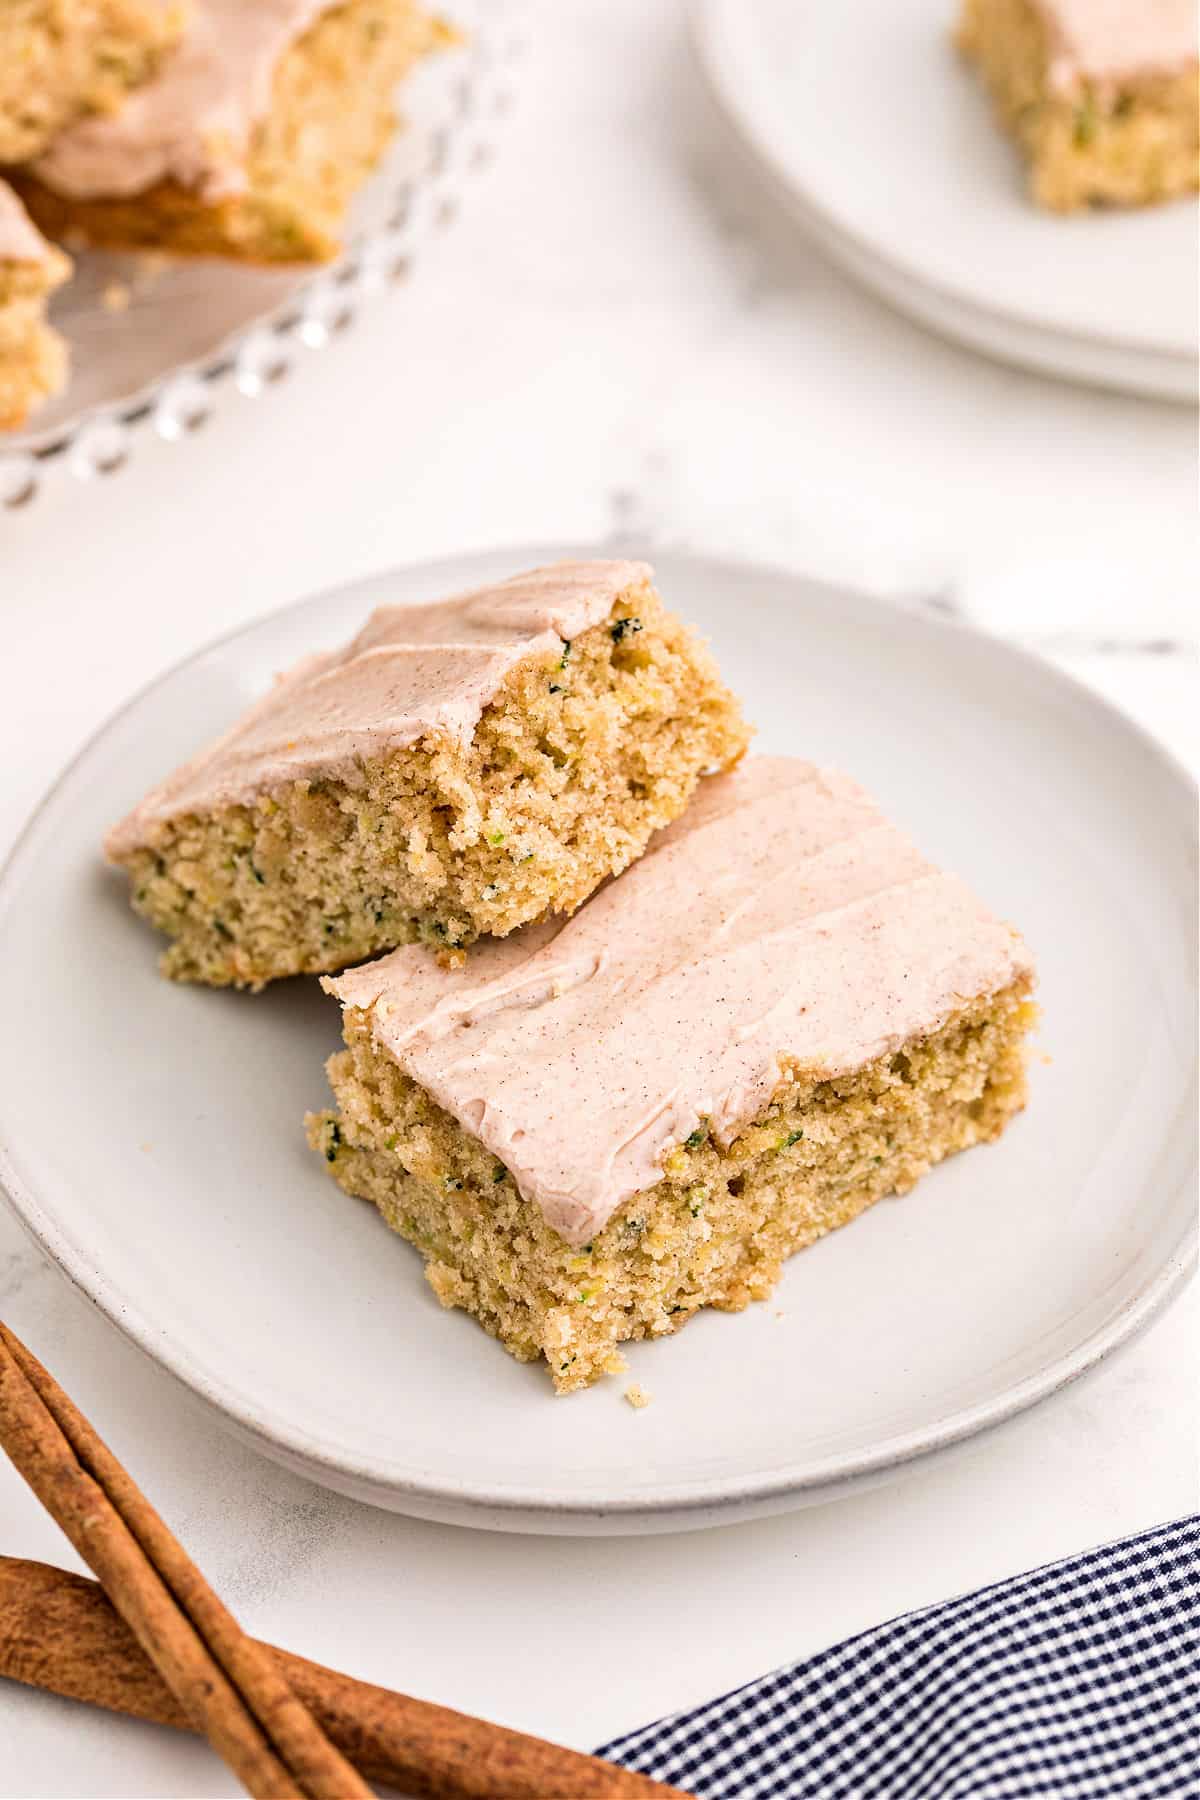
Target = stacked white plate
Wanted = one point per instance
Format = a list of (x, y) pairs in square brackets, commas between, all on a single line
[(872, 130)]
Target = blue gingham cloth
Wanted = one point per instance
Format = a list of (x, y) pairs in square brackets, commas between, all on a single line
[(1080, 1680)]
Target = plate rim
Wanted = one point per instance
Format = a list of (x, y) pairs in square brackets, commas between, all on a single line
[(698, 1501), (711, 38)]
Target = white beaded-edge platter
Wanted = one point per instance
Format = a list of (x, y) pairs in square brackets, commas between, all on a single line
[(877, 136), (151, 339), (151, 1136)]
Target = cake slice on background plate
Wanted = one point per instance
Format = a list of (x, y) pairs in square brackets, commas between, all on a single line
[(33, 357), (778, 1015), (1102, 95), (61, 60), (249, 143), (459, 768)]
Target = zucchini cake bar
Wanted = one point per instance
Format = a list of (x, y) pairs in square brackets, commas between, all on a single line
[(1102, 95), (459, 768), (63, 59), (251, 140), (781, 1013), (33, 358)]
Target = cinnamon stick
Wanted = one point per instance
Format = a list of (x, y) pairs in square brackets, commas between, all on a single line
[(226, 1684), (59, 1632)]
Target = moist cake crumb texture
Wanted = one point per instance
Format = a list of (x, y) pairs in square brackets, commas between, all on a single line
[(460, 768), (781, 1013), (1102, 95)]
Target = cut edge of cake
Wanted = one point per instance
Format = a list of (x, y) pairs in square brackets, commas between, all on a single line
[(714, 1232)]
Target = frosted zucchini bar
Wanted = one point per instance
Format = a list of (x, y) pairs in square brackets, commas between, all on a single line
[(780, 1014), (250, 141), (1102, 95), (33, 358), (459, 768)]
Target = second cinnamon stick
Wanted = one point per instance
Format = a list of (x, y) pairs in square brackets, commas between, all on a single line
[(59, 1632)]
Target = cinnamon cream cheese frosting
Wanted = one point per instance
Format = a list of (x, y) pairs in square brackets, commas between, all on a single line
[(192, 122), (781, 920), (411, 671), (20, 239), (1107, 40)]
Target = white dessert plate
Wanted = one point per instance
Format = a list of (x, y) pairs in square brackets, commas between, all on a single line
[(877, 135), (151, 1136)]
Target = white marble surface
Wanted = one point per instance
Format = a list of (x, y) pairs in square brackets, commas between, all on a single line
[(616, 341)]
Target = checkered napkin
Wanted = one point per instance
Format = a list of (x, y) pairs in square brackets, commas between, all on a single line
[(1080, 1680)]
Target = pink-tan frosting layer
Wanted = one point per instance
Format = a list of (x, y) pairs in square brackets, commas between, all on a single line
[(410, 672), (781, 917), (1111, 40), (20, 239), (192, 122)]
